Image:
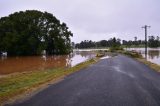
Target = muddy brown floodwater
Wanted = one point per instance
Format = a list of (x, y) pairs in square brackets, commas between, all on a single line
[(10, 65)]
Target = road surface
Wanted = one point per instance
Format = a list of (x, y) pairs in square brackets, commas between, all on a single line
[(117, 81)]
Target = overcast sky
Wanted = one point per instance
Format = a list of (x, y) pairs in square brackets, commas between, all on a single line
[(96, 19)]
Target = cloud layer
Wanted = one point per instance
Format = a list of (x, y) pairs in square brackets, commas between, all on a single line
[(98, 19)]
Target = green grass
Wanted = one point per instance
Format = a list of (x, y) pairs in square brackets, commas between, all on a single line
[(131, 54), (114, 49), (133, 46), (14, 85)]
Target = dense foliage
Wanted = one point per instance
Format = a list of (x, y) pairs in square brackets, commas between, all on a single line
[(103, 43), (30, 32), (154, 42), (133, 43), (116, 43)]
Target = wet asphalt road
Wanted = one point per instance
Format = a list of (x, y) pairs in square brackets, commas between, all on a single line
[(117, 81)]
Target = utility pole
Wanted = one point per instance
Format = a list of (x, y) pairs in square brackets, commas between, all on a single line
[(145, 28)]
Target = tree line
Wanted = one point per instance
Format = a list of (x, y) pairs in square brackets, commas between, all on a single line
[(152, 42), (30, 32), (103, 43)]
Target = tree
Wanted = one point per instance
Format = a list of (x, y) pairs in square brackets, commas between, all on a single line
[(103, 43), (31, 31), (135, 38), (153, 42)]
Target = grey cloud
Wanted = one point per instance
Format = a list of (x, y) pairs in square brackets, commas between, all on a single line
[(96, 19)]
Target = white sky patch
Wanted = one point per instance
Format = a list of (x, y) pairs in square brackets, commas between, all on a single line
[(98, 19)]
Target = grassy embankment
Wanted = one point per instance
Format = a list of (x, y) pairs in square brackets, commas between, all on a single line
[(135, 55), (16, 86), (139, 57)]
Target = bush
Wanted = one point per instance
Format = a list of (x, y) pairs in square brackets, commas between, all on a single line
[(113, 49), (133, 54), (100, 54)]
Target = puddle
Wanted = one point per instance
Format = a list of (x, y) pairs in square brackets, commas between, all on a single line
[(105, 57), (109, 55)]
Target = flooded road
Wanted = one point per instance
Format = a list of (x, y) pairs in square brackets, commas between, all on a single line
[(10, 65), (153, 54)]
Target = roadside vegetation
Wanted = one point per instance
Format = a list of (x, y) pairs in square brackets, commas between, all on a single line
[(133, 54), (140, 58), (154, 66), (12, 86)]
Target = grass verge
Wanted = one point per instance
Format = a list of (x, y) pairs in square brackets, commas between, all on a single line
[(18, 84), (154, 66), (139, 57), (133, 54)]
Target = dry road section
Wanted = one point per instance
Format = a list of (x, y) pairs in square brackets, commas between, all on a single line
[(116, 81)]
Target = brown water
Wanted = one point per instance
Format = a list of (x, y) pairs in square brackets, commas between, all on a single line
[(153, 54), (10, 65)]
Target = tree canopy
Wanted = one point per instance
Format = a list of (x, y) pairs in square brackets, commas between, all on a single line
[(153, 42), (30, 32)]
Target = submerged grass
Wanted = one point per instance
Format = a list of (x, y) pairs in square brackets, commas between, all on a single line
[(14, 85)]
